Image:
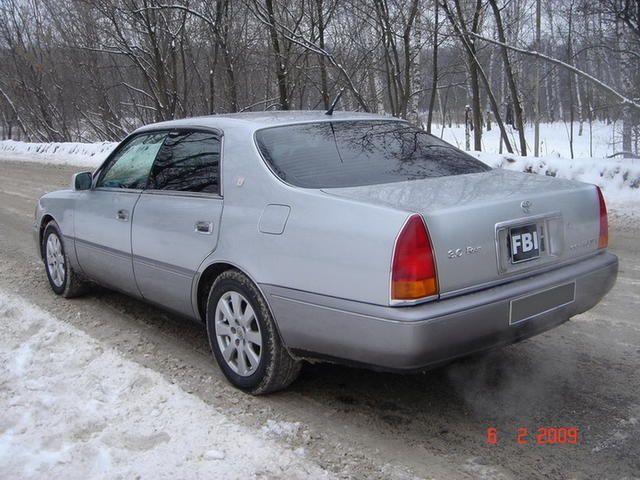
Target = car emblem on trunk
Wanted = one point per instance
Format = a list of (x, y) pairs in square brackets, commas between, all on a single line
[(526, 206)]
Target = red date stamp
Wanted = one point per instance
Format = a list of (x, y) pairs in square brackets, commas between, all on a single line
[(538, 436)]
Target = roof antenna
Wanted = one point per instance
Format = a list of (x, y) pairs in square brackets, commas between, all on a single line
[(334, 103)]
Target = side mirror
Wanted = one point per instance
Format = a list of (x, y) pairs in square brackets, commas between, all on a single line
[(82, 181)]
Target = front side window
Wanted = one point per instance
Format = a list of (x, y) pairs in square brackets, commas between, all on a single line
[(188, 162), (362, 152), (130, 166)]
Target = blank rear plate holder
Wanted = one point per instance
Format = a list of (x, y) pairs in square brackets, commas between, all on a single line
[(535, 304)]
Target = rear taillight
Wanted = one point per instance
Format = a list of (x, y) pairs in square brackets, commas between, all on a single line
[(413, 271), (603, 238)]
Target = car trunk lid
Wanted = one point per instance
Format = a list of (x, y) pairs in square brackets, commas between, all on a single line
[(484, 226)]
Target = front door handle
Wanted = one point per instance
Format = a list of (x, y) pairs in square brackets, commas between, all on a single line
[(204, 227), (123, 215)]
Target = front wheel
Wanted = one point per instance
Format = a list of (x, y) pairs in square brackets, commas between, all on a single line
[(63, 279), (244, 338)]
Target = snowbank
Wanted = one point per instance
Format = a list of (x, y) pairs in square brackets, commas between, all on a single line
[(75, 410), (619, 178), (83, 154)]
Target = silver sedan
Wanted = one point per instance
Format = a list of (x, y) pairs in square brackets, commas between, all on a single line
[(347, 237)]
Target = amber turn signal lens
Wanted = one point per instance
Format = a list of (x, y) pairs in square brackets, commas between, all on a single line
[(414, 290)]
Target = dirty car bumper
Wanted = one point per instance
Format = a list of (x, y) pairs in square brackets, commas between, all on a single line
[(415, 337)]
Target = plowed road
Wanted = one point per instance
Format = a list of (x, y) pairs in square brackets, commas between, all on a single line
[(360, 424)]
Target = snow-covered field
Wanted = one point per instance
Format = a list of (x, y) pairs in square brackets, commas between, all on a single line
[(599, 141), (81, 154), (72, 409)]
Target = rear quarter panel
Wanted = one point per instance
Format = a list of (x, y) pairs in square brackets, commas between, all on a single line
[(330, 246)]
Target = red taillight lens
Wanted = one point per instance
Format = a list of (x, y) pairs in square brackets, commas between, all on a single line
[(603, 239), (413, 273)]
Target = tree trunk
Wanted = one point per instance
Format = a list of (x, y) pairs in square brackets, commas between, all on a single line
[(555, 76), (551, 110), (515, 97), (434, 78), (626, 132), (475, 84), (415, 65), (324, 88), (281, 69), (569, 61), (579, 110), (463, 34), (408, 59), (475, 103)]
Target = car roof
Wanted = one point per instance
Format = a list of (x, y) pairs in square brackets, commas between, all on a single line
[(252, 121)]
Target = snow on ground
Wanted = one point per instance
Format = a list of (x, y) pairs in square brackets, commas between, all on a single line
[(603, 141), (73, 409), (82, 154)]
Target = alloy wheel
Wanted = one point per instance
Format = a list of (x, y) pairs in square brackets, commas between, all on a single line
[(238, 333), (55, 260)]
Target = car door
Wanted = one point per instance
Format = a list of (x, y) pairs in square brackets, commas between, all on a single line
[(177, 218), (102, 220)]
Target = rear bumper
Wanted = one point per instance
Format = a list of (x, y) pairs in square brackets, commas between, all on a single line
[(410, 338)]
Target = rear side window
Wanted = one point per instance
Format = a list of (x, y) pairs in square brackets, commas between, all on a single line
[(354, 153), (188, 162)]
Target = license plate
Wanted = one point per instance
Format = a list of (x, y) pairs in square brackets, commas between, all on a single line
[(524, 243)]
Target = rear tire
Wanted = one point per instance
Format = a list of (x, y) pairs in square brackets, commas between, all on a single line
[(244, 338), (63, 279)]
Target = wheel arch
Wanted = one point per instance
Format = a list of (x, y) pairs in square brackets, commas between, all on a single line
[(204, 282), (44, 221), (209, 275), (206, 279)]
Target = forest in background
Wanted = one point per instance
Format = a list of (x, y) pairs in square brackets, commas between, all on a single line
[(87, 70)]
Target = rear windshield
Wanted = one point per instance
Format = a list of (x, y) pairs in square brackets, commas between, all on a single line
[(354, 153)]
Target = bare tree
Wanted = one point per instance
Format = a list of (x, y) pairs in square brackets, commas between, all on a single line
[(434, 66), (511, 81), (467, 42), (95, 69)]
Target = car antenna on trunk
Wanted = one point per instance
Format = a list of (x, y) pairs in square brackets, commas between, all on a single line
[(334, 103)]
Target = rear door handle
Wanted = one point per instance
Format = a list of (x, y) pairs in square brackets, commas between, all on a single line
[(123, 215), (204, 227)]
